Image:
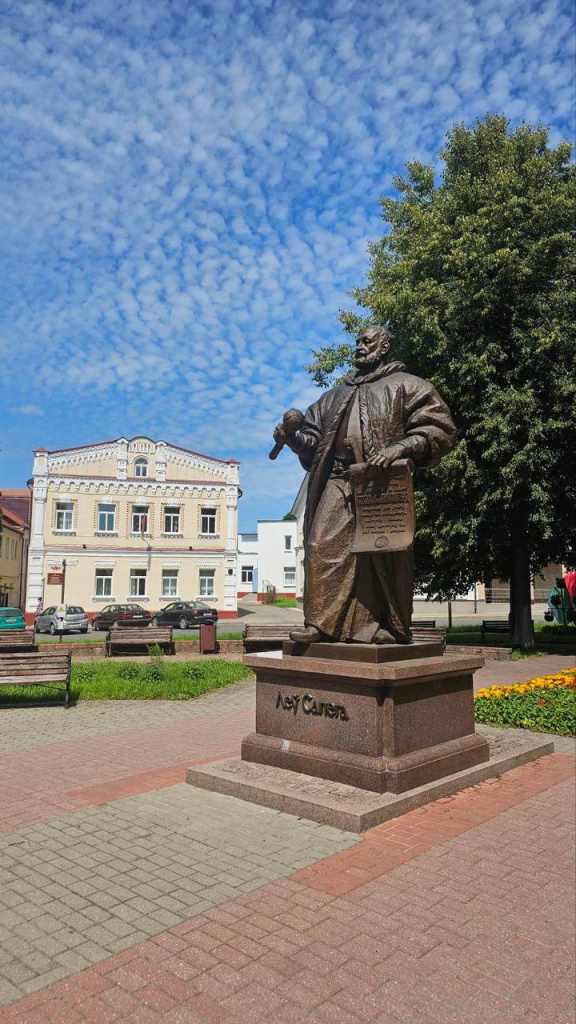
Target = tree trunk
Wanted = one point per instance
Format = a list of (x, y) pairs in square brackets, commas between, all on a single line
[(521, 627)]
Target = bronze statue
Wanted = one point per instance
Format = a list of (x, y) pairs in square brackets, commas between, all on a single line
[(381, 417)]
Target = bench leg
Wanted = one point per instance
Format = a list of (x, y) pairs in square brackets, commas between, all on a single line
[(67, 696)]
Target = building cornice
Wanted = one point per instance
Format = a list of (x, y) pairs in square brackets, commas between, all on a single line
[(54, 551), (148, 487)]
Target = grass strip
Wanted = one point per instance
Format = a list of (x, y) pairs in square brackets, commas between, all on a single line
[(150, 679)]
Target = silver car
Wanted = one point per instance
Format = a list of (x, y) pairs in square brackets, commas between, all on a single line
[(75, 620)]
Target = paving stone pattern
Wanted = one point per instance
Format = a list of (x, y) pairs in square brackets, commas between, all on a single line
[(75, 890), (58, 778), (477, 930), (27, 727), (129, 898)]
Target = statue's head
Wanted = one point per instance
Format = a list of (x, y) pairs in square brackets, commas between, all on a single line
[(372, 345)]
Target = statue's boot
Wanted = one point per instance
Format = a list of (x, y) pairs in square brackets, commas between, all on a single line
[(306, 635), (384, 637)]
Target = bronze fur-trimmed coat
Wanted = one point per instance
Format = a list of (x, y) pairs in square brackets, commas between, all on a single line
[(363, 597)]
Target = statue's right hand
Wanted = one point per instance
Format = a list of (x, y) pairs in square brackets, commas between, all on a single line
[(279, 434)]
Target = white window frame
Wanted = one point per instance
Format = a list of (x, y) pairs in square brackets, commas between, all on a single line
[(103, 576), (290, 570), (172, 512), (138, 576), (207, 583), (207, 513), (66, 508), (170, 576), (140, 515), (140, 464), (244, 574), (110, 511)]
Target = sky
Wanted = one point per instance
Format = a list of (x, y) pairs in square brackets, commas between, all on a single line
[(188, 190)]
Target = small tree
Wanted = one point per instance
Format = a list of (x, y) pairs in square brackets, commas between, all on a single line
[(476, 278)]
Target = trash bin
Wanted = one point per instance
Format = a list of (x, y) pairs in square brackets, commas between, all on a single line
[(208, 639)]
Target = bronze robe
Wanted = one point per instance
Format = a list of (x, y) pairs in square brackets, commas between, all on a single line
[(351, 596)]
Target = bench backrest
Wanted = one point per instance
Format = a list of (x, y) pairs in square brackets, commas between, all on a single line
[(495, 626), (41, 666), (424, 624), (265, 629), (423, 633), (17, 638), (148, 634)]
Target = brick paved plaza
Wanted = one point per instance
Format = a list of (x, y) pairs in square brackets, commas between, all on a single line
[(128, 896)]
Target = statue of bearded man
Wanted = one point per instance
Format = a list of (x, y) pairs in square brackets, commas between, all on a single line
[(378, 416)]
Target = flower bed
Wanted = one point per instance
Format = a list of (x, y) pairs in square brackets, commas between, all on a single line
[(544, 704)]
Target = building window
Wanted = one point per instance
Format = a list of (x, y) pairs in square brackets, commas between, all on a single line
[(207, 583), (65, 516), (103, 583), (287, 542), (140, 519), (289, 577), (141, 467), (171, 520), (169, 582), (247, 573), (106, 518), (138, 582), (208, 521)]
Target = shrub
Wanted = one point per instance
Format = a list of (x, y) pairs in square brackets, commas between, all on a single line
[(269, 596), (129, 670), (544, 704), (154, 671)]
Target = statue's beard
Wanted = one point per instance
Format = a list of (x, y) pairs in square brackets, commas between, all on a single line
[(367, 363)]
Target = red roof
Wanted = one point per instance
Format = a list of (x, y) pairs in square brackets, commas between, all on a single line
[(10, 519)]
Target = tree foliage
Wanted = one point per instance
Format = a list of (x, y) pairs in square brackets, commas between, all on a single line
[(476, 277)]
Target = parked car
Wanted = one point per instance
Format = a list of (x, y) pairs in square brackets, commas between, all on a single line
[(75, 620), (186, 615), (11, 618), (121, 615)]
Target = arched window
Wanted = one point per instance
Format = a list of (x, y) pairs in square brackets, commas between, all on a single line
[(141, 467)]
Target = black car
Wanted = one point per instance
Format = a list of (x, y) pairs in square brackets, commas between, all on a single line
[(186, 615), (121, 615)]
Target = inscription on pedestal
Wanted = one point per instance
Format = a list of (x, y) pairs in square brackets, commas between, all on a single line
[(311, 706)]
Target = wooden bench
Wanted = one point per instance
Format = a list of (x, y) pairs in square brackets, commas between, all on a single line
[(41, 668), (17, 640), (134, 637), (493, 626), (267, 636), (424, 623), (270, 636), (428, 634)]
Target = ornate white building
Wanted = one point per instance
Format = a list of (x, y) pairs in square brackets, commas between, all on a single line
[(136, 520)]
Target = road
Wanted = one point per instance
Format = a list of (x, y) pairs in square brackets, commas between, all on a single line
[(250, 610)]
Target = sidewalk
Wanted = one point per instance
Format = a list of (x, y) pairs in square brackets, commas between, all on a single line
[(128, 896)]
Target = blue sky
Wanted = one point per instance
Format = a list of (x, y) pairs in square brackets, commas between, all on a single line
[(188, 190)]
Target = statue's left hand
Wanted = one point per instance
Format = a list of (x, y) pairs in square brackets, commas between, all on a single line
[(384, 458)]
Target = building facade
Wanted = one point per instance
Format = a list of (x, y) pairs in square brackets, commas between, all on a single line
[(277, 556), (247, 564), (135, 520), (14, 539)]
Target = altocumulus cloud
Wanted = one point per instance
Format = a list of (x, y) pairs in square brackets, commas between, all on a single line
[(188, 191)]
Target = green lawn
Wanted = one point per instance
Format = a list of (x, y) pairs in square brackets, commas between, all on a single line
[(286, 602), (150, 679)]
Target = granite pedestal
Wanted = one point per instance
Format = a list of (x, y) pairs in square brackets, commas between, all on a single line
[(357, 715)]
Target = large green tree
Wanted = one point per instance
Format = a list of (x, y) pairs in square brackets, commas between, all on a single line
[(476, 277)]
